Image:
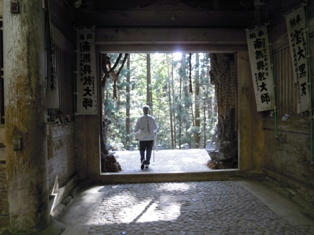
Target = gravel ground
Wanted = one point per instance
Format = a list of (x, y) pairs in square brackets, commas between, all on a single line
[(165, 161)]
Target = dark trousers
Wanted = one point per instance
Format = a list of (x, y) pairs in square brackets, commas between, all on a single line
[(146, 146)]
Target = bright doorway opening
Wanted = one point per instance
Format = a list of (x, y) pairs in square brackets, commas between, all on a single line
[(177, 86)]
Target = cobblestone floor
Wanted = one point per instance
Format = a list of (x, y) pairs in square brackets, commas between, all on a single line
[(177, 208)]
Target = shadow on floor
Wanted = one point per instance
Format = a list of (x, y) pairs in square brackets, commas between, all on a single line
[(229, 207)]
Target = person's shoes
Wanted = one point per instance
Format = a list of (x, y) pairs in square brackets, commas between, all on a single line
[(146, 166), (142, 165)]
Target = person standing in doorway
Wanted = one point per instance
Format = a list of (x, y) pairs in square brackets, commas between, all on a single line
[(145, 130)]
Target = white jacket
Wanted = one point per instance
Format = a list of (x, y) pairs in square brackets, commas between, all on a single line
[(148, 127)]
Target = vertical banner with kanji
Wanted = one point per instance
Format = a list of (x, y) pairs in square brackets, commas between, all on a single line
[(86, 82), (298, 50), (259, 54)]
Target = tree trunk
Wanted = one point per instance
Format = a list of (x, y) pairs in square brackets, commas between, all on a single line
[(210, 110), (173, 102), (103, 127), (149, 95), (105, 119), (191, 90), (197, 122), (170, 103), (223, 76), (180, 114), (186, 102), (102, 122), (128, 102), (204, 123)]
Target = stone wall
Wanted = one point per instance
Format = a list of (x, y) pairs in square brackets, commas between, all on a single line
[(4, 210), (60, 148)]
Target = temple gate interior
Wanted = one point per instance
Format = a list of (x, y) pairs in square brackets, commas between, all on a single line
[(52, 70)]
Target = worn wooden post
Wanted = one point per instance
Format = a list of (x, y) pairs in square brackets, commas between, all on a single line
[(250, 122), (23, 27)]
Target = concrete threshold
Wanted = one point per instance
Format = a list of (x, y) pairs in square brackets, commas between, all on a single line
[(147, 177)]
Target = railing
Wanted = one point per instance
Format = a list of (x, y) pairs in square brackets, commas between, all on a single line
[(286, 90)]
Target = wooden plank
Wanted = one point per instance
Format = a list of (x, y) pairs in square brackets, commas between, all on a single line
[(168, 39), (217, 36), (226, 174), (144, 48), (165, 17)]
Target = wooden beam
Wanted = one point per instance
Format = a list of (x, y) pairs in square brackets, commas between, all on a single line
[(170, 39), (144, 48), (162, 17)]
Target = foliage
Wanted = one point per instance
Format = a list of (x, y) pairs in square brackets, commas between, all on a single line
[(169, 73)]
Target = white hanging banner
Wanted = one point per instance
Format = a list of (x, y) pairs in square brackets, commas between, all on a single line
[(258, 46), (86, 82), (298, 50)]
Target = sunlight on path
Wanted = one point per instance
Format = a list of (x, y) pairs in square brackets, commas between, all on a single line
[(191, 160)]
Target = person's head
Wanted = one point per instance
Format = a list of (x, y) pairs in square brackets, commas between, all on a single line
[(146, 109)]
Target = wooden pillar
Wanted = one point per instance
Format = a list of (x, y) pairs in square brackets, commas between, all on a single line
[(24, 119), (250, 123), (88, 146)]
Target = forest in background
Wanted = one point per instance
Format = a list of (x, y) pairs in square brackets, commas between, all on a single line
[(177, 88)]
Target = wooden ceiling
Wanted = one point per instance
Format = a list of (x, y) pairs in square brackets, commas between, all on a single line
[(142, 25), (174, 4), (163, 13), (178, 13)]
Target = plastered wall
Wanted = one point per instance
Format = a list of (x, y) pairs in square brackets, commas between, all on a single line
[(60, 149)]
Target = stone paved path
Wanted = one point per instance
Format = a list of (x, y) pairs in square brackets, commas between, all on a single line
[(176, 208), (190, 160)]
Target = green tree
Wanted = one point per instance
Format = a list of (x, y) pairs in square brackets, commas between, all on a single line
[(166, 77), (197, 122)]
